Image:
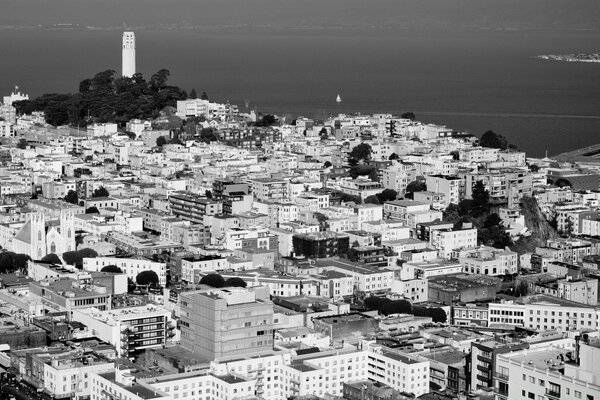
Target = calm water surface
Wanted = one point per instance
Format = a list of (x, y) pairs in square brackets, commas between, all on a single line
[(467, 79)]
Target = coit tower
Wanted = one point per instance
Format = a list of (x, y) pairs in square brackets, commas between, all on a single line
[(128, 54)]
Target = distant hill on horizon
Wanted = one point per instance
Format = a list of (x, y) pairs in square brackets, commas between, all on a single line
[(424, 14)]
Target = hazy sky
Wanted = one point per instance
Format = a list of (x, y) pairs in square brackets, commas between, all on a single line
[(533, 14)]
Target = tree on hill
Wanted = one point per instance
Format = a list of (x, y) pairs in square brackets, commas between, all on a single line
[(373, 199), (161, 141), (100, 192), (92, 210), (51, 258), (235, 282), (72, 197), (361, 170), (414, 186), (214, 280), (347, 198), (327, 164), (396, 307), (409, 115), (112, 268), (22, 144), (107, 97), (562, 182), (481, 199), (193, 94), (76, 257), (393, 156), (147, 278), (12, 262), (361, 152), (437, 314), (204, 96), (375, 303), (493, 233), (387, 195), (493, 140)]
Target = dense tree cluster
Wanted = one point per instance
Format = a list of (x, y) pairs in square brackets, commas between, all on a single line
[(217, 281), (214, 280), (386, 306), (107, 98), (414, 186), (382, 197), (51, 259), (76, 257), (112, 268), (490, 230), (11, 262), (361, 152), (147, 278), (495, 141), (72, 197), (364, 170), (100, 192)]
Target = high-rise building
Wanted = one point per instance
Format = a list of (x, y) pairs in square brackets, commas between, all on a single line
[(221, 323), (128, 54)]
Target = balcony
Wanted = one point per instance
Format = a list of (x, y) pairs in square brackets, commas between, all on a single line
[(485, 378), (484, 359), (553, 394), (483, 369), (500, 376)]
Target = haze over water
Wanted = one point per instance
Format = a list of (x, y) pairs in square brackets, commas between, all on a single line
[(468, 64)]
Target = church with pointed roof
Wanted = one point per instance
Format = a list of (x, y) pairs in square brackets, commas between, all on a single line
[(39, 237)]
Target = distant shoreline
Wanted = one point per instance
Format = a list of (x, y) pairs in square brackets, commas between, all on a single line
[(581, 57)]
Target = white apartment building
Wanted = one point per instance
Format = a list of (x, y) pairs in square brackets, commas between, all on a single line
[(545, 373), (447, 240), (410, 212), (132, 267), (269, 189), (68, 376), (129, 330), (544, 312), (398, 176), (490, 261), (449, 186), (324, 375), (365, 279), (478, 154), (396, 369), (192, 267), (389, 229)]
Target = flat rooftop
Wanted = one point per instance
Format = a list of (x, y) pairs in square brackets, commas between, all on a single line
[(136, 389), (540, 358)]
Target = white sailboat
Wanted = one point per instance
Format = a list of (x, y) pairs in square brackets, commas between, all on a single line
[(338, 99)]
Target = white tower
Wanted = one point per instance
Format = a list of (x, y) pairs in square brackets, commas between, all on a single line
[(128, 54), (67, 229), (38, 236)]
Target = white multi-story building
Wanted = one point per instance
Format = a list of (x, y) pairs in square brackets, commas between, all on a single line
[(410, 212), (129, 330), (544, 312), (192, 267), (398, 370), (445, 241), (549, 372), (449, 186), (130, 266), (490, 261)]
